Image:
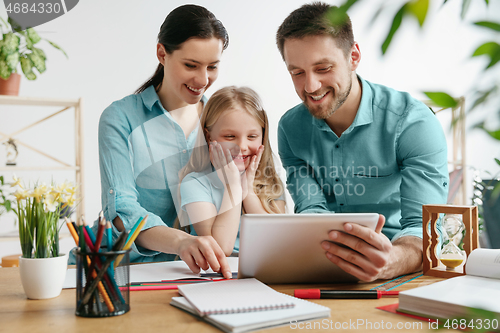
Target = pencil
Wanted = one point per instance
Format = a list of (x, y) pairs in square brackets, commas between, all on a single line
[(134, 228), (109, 234), (131, 240), (100, 286), (97, 244)]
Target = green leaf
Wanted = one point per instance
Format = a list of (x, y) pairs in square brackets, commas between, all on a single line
[(37, 61), (494, 134), (491, 49), (346, 5), (487, 2), (12, 61), (442, 99), (483, 97), (26, 66), (497, 160), (57, 47), (487, 24), (11, 43), (40, 53), (4, 70), (396, 22), (14, 25), (418, 8), (336, 16), (7, 205), (33, 35), (465, 8)]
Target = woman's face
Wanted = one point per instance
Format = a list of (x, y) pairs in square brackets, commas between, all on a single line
[(189, 71)]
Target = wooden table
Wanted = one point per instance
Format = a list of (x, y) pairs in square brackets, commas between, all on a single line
[(151, 312)]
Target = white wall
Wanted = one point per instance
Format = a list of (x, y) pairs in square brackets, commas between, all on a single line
[(111, 48)]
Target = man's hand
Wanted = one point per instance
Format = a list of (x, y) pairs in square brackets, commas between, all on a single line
[(366, 253)]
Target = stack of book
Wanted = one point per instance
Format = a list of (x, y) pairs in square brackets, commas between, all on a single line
[(244, 305)]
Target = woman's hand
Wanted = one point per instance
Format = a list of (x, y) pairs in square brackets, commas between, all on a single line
[(204, 252), (248, 177), (224, 165)]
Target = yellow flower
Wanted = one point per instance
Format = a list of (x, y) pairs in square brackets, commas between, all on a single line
[(39, 192), (21, 194), (17, 182)]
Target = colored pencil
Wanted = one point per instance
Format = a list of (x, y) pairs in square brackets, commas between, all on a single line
[(110, 235), (131, 240)]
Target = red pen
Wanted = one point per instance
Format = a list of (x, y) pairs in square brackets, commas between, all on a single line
[(343, 294)]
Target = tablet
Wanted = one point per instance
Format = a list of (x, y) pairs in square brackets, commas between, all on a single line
[(286, 248)]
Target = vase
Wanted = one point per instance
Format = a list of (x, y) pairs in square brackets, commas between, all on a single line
[(11, 85), (43, 278)]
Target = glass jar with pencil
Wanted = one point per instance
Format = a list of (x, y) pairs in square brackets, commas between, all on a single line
[(103, 275)]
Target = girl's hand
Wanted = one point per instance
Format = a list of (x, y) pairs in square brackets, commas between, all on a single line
[(204, 252), (224, 165), (248, 177)]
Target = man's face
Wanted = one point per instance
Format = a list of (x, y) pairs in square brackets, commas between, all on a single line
[(321, 74)]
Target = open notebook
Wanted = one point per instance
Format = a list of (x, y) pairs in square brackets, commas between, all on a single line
[(249, 321), (232, 296)]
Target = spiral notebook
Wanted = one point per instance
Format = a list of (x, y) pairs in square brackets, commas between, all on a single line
[(250, 321), (233, 296)]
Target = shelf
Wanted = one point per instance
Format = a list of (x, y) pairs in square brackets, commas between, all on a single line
[(77, 166)]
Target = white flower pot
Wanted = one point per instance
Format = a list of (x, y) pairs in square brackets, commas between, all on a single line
[(43, 277)]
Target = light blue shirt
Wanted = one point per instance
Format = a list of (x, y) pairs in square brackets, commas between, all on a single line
[(391, 160), (206, 187), (141, 150)]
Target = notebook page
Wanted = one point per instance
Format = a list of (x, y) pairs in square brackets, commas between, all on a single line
[(233, 296)]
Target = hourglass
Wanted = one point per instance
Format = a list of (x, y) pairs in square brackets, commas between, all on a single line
[(451, 255)]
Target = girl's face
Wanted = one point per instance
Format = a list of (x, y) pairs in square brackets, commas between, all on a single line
[(189, 71), (239, 132)]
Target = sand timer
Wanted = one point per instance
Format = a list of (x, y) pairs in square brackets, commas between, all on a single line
[(451, 255)]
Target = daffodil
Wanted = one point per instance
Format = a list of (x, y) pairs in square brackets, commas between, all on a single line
[(17, 182), (50, 203), (39, 192), (21, 194)]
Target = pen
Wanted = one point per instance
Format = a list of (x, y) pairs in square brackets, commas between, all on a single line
[(343, 294)]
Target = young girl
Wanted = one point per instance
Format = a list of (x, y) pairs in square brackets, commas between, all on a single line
[(231, 169)]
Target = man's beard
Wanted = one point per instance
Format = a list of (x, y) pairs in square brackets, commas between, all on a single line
[(326, 111)]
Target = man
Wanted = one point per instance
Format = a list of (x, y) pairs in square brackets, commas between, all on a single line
[(355, 146)]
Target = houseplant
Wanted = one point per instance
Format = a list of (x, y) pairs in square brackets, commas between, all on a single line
[(38, 209), (17, 49)]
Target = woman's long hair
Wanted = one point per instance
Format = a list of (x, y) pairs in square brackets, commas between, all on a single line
[(267, 184), (181, 24)]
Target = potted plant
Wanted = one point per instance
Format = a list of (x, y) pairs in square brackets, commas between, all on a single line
[(17, 47), (42, 267)]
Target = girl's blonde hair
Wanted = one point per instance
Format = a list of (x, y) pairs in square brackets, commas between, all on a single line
[(267, 184)]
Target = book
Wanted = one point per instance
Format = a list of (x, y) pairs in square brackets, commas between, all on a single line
[(232, 296), (249, 321), (455, 297)]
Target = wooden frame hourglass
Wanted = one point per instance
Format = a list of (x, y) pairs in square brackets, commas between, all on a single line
[(430, 216)]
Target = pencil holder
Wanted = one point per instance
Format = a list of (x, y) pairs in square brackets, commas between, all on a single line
[(101, 289)]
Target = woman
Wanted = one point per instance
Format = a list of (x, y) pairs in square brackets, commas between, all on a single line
[(146, 138)]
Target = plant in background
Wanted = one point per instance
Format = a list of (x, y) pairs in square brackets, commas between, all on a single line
[(18, 47), (38, 211), (482, 94), (5, 202)]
